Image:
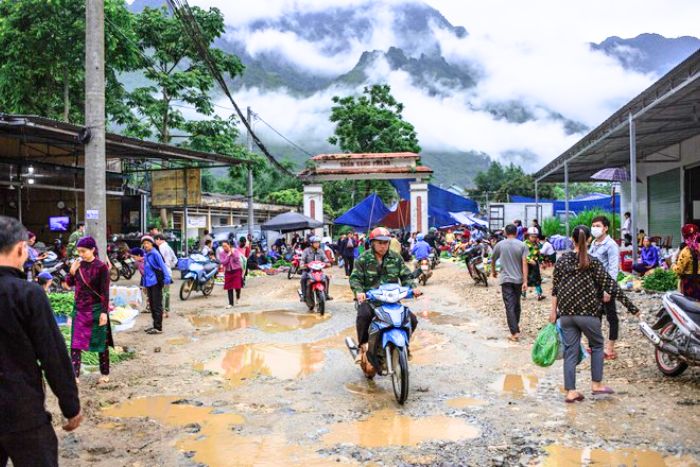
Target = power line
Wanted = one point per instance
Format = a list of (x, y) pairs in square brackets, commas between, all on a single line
[(292, 143), (182, 10)]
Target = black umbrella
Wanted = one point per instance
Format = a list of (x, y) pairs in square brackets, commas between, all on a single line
[(290, 222)]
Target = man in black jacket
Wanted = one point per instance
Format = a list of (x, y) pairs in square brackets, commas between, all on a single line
[(30, 344)]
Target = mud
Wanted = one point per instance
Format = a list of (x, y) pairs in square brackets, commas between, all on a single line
[(267, 383)]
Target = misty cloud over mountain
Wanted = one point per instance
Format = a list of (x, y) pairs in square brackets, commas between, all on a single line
[(468, 96)]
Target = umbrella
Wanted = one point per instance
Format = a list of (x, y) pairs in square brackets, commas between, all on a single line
[(290, 222), (616, 174)]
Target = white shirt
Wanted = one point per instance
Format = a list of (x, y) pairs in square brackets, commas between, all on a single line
[(547, 249), (169, 256)]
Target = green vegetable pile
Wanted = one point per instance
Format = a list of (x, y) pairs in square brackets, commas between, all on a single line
[(61, 303), (116, 355), (660, 281), (281, 263)]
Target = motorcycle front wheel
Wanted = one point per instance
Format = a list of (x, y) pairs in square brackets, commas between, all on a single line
[(208, 287), (113, 274), (186, 289), (668, 364), (127, 272), (321, 301), (291, 272), (399, 379)]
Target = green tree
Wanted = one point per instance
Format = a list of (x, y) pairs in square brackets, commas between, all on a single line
[(502, 182), (371, 122), (42, 58), (177, 76)]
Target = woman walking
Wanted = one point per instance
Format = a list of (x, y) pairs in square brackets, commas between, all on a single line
[(688, 259), (580, 281), (230, 258), (155, 277), (90, 330)]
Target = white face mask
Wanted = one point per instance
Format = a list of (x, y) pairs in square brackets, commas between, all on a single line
[(597, 232)]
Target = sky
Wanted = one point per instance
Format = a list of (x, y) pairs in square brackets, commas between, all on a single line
[(533, 52)]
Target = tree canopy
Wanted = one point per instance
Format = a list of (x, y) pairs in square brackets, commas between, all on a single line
[(503, 181)]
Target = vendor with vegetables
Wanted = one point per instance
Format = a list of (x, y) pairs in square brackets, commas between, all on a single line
[(90, 330), (580, 281), (688, 259), (648, 258)]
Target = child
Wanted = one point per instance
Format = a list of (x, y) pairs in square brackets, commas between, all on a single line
[(549, 256), (534, 279), (44, 279)]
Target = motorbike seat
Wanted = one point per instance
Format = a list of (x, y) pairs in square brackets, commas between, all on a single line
[(209, 267), (689, 305)]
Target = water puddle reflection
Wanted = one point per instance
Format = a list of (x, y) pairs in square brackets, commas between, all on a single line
[(427, 348), (368, 388), (388, 428), (267, 321), (214, 443), (516, 385), (465, 402), (562, 456), (283, 361), (436, 317)]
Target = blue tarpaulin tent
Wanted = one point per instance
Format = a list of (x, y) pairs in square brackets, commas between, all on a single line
[(577, 206), (440, 203), (368, 213)]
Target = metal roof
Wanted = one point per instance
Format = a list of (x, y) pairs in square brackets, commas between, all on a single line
[(61, 139), (666, 113)]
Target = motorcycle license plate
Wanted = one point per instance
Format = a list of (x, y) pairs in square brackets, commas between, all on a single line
[(118, 265), (425, 267), (62, 273)]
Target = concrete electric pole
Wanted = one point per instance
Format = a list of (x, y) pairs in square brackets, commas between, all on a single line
[(95, 180), (251, 214)]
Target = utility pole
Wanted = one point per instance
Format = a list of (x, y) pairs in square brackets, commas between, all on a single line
[(95, 163), (251, 214)]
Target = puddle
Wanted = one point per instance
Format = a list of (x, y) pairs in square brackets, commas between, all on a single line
[(267, 321), (283, 361), (516, 385), (336, 341), (366, 388), (216, 443), (427, 348), (561, 456), (465, 402), (179, 340), (389, 428), (436, 317)]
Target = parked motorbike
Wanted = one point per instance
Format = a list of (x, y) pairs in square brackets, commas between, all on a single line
[(316, 293), (389, 336), (678, 341), (424, 271), (199, 276), (55, 266), (296, 262), (474, 259)]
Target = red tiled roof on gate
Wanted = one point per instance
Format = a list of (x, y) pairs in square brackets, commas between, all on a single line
[(368, 155), (369, 170)]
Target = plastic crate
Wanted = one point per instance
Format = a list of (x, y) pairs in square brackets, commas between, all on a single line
[(183, 264)]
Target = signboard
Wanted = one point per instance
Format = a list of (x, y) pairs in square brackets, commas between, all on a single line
[(92, 214), (196, 222), (169, 188)]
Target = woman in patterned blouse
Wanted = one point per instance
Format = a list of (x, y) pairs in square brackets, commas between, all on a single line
[(579, 283)]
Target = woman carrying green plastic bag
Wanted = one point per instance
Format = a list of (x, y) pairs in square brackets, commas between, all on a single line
[(546, 347)]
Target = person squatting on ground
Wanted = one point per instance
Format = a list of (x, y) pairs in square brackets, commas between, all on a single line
[(577, 297), (648, 257), (514, 269), (31, 349), (688, 259), (90, 330), (155, 276), (170, 260), (376, 266), (313, 253), (534, 259), (230, 259), (605, 249)]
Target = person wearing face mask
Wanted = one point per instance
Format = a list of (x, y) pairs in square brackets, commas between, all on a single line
[(605, 249)]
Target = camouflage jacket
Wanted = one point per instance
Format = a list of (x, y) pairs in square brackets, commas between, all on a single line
[(369, 274)]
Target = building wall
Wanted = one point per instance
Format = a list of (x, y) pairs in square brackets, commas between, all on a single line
[(689, 152)]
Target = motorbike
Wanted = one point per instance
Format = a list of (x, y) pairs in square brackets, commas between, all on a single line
[(55, 266), (296, 261), (316, 293), (677, 344), (474, 259), (199, 276), (434, 258), (389, 336), (424, 271)]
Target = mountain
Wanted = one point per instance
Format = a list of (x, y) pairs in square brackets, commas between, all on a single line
[(649, 53)]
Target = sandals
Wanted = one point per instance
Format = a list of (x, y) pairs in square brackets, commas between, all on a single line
[(154, 331), (610, 356), (578, 398), (605, 390)]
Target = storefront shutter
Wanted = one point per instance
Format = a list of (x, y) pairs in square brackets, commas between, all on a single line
[(665, 204)]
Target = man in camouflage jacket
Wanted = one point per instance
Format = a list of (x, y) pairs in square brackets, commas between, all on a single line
[(376, 266)]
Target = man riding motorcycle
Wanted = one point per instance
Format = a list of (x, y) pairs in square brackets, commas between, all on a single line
[(313, 253), (376, 266), (431, 238), (421, 250)]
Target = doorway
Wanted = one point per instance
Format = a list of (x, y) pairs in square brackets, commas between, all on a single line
[(692, 195)]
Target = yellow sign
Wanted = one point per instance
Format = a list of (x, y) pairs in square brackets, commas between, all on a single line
[(168, 188)]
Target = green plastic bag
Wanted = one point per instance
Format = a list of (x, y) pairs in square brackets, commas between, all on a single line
[(546, 347)]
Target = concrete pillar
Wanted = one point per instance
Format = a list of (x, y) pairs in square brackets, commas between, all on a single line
[(313, 203), (419, 207)]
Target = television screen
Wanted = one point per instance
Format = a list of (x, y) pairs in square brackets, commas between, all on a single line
[(59, 223)]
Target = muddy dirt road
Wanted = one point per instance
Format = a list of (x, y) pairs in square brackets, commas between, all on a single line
[(267, 383)]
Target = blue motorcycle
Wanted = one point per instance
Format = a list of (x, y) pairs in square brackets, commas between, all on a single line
[(389, 336), (199, 275)]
